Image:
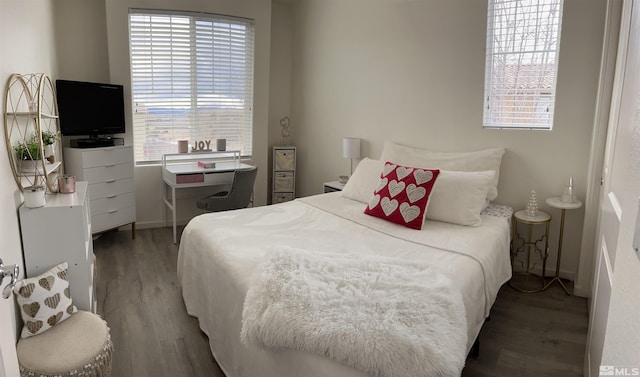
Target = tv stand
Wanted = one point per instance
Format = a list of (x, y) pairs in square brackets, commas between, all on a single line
[(96, 142)]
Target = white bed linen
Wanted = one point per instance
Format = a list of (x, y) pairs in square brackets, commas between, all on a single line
[(220, 253)]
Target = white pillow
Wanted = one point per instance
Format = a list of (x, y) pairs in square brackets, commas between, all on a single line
[(364, 180), (488, 159), (458, 197)]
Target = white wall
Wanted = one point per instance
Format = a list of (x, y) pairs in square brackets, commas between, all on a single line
[(280, 81), (26, 46), (413, 72), (81, 39)]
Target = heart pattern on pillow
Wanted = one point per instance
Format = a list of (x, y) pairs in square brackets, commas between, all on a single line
[(402, 172), (31, 309), (26, 290), (415, 193), (402, 195), (389, 205), (33, 326), (395, 188), (409, 212), (422, 176), (54, 319), (47, 282), (383, 183), (52, 301), (44, 300)]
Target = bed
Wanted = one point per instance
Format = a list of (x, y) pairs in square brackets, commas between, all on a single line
[(222, 258)]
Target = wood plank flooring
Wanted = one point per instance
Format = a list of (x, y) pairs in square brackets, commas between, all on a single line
[(539, 334)]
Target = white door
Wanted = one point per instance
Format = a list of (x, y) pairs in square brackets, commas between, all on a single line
[(618, 208), (8, 358)]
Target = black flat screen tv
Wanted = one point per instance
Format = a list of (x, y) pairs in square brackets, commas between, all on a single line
[(89, 108)]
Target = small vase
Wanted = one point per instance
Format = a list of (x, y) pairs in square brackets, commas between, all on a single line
[(49, 153)]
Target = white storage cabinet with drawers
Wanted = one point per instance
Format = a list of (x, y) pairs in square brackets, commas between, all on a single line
[(61, 232), (284, 174), (109, 171)]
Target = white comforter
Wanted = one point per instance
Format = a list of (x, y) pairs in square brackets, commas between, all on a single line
[(220, 253)]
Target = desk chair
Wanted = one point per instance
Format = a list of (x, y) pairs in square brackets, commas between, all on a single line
[(238, 196)]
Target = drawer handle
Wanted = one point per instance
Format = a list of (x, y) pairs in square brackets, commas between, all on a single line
[(110, 165), (112, 196), (113, 211), (110, 181)]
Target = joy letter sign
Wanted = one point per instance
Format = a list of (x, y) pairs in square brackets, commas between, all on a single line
[(201, 146)]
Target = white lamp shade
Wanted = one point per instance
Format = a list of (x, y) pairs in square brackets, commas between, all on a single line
[(351, 147)]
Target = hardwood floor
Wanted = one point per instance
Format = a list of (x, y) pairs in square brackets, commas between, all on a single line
[(538, 334), (139, 297), (532, 334)]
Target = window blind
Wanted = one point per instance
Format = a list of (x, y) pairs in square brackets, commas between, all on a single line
[(191, 78), (521, 68)]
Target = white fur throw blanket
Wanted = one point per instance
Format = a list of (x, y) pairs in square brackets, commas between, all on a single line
[(385, 317)]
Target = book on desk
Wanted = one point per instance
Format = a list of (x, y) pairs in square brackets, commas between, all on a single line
[(206, 164)]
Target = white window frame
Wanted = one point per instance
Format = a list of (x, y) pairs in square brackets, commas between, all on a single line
[(523, 42), (192, 77)]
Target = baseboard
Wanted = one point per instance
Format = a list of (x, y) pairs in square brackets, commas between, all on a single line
[(586, 369), (567, 275), (156, 224), (581, 291)]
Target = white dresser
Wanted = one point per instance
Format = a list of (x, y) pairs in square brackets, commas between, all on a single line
[(61, 232), (284, 174), (109, 171)]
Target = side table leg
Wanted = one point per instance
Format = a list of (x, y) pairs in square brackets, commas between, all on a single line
[(557, 277), (546, 254)]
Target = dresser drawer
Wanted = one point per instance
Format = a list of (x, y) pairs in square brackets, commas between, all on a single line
[(283, 181), (281, 197), (106, 156), (108, 173), (284, 159), (114, 218), (109, 188), (108, 204)]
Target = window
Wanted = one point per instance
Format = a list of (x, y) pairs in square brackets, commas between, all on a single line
[(191, 78), (523, 38)]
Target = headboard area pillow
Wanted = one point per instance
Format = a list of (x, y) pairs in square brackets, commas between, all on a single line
[(364, 180), (458, 197), (484, 160)]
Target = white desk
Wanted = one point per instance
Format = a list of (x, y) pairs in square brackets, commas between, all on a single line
[(184, 172)]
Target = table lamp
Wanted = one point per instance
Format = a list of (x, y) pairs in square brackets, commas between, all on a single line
[(351, 149)]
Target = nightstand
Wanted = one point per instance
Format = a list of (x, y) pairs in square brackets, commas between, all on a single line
[(558, 203), (521, 250), (333, 186)]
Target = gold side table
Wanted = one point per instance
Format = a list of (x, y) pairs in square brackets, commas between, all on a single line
[(556, 202), (520, 279)]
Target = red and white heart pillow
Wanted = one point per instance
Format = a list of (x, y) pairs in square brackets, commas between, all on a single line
[(402, 195)]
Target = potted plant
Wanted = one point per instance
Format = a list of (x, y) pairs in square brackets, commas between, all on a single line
[(27, 152), (49, 138)]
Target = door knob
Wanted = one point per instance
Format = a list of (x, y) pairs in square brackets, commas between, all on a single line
[(12, 271)]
